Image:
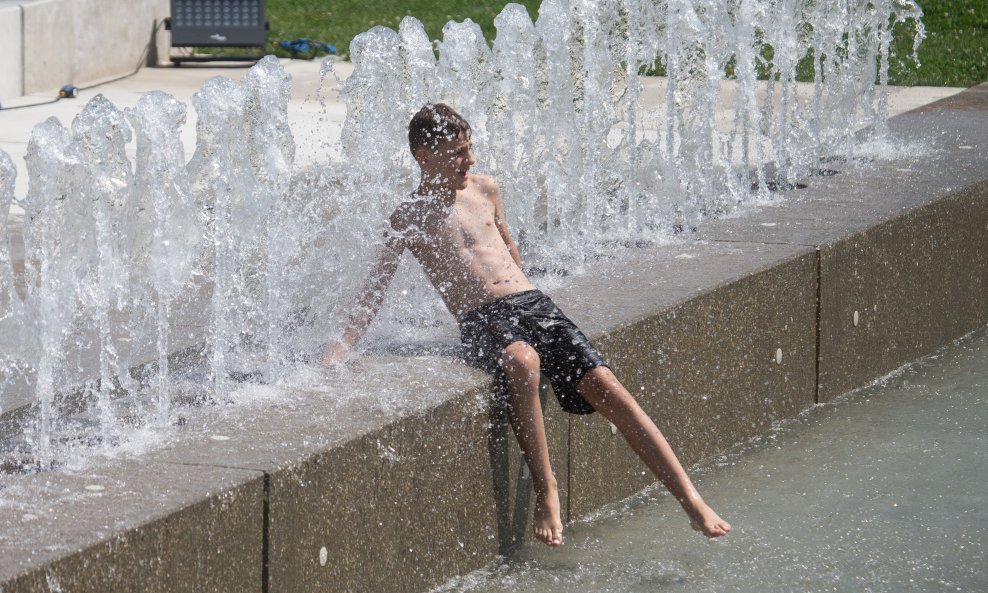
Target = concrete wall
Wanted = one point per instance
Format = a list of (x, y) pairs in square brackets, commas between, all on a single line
[(45, 44), (134, 526), (902, 289), (11, 50), (404, 474), (707, 370)]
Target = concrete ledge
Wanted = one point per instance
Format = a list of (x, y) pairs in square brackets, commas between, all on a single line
[(403, 474), (902, 242), (436, 486), (902, 289), (406, 463), (712, 371), (133, 526)]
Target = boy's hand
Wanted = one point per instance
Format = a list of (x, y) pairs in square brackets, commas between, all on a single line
[(334, 354)]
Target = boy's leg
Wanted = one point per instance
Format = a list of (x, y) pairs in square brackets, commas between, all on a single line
[(609, 397), (520, 363)]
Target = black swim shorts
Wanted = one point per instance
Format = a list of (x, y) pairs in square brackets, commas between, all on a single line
[(531, 317)]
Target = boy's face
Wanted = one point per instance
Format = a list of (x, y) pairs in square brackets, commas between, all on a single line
[(449, 163)]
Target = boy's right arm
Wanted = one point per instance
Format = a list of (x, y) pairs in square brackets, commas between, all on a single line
[(369, 302)]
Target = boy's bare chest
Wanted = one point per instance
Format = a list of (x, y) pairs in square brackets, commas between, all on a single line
[(470, 225), (463, 226)]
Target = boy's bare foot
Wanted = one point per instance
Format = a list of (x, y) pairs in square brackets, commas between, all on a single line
[(546, 521), (706, 521)]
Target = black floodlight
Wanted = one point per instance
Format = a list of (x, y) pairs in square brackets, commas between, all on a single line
[(218, 23)]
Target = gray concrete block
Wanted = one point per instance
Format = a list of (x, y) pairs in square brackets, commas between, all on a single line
[(428, 497), (111, 37), (132, 526), (974, 99), (11, 52), (49, 50), (82, 41), (928, 154), (161, 9), (396, 465), (902, 241), (834, 208), (902, 289), (705, 369), (418, 499), (686, 322)]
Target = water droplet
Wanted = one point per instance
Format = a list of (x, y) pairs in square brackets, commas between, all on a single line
[(323, 556), (855, 319)]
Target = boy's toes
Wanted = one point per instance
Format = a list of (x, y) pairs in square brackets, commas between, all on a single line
[(715, 529), (549, 536)]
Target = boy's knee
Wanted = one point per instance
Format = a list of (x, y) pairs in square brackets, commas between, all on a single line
[(601, 387), (520, 358)]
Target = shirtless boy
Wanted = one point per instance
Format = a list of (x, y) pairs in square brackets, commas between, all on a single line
[(454, 225)]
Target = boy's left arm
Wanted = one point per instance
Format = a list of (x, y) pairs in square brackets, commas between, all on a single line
[(502, 225)]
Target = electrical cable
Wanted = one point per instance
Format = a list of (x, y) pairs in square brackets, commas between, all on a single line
[(68, 91)]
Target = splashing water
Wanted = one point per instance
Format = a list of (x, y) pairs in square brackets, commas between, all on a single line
[(8, 300), (256, 261), (171, 228)]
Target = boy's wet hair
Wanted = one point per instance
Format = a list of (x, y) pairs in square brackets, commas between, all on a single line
[(435, 123)]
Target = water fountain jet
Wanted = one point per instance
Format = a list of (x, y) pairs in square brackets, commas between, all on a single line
[(589, 157)]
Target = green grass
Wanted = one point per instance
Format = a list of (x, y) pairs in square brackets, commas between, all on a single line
[(337, 22), (955, 52)]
